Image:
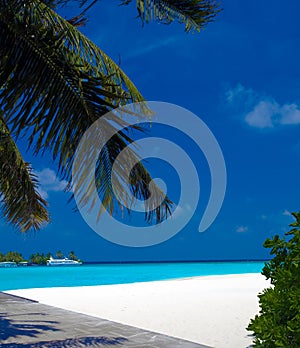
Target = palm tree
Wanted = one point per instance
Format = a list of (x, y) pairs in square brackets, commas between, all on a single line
[(13, 256), (39, 259), (59, 254), (72, 256), (54, 83)]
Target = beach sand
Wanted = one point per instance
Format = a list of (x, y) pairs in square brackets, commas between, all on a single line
[(212, 310)]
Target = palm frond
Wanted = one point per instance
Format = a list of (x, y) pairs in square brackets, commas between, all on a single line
[(195, 14), (54, 83), (116, 181), (20, 202)]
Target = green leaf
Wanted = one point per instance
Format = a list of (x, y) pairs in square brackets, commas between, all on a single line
[(21, 203), (195, 14), (55, 83)]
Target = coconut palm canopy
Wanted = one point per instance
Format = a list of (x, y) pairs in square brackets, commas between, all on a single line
[(54, 84)]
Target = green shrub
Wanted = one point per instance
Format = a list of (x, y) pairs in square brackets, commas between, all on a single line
[(278, 322)]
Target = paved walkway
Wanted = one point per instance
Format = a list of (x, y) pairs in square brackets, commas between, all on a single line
[(29, 324)]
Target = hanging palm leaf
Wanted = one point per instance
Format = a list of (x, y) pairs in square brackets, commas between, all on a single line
[(20, 201), (55, 83), (195, 14)]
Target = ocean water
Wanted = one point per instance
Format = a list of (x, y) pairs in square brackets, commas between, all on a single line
[(100, 274)]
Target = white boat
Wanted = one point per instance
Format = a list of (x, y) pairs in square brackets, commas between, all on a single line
[(63, 262), (7, 264), (23, 263)]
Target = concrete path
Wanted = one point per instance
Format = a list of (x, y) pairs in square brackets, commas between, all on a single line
[(29, 324)]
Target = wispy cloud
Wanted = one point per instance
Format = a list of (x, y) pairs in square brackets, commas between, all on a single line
[(263, 217), (49, 182), (286, 213), (144, 48), (262, 111), (242, 229)]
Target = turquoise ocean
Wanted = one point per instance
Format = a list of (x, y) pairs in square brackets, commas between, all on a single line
[(100, 274)]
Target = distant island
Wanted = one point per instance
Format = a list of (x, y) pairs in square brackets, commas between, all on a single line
[(39, 259)]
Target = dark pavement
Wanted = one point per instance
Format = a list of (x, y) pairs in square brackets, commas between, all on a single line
[(29, 324)]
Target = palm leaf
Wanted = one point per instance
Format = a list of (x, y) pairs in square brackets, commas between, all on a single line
[(112, 176), (21, 203), (54, 83), (195, 14)]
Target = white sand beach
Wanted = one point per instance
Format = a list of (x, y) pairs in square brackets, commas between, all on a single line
[(213, 310)]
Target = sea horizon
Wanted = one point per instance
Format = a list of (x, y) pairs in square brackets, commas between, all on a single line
[(175, 261)]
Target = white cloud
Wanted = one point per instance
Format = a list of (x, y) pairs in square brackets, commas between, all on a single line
[(290, 114), (241, 229), (261, 111), (286, 213), (262, 114), (240, 95), (232, 93), (49, 182)]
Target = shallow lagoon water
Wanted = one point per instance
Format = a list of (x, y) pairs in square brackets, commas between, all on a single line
[(100, 274)]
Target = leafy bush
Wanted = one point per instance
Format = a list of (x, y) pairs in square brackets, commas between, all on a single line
[(278, 322)]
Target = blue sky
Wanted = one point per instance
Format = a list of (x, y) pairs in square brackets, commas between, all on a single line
[(241, 76)]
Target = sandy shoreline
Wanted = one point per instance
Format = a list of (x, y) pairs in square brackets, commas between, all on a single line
[(210, 310)]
